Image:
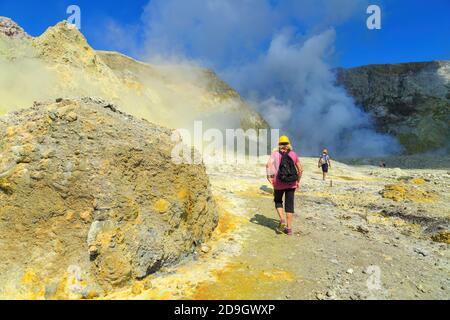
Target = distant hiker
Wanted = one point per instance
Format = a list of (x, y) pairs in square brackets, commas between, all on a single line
[(383, 164), (284, 172), (324, 163)]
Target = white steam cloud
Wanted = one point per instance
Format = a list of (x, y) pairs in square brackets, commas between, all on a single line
[(276, 54), (295, 91)]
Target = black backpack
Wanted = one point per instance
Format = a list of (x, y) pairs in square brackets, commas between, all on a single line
[(287, 172)]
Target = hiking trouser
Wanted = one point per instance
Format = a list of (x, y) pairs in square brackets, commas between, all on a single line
[(288, 199)]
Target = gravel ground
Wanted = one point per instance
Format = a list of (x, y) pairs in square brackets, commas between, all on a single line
[(352, 240)]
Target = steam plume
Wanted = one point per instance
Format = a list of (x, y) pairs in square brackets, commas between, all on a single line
[(256, 46)]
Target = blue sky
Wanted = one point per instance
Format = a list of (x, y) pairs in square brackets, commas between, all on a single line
[(411, 30)]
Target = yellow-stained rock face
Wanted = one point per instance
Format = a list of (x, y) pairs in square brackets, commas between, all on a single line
[(90, 200), (64, 65)]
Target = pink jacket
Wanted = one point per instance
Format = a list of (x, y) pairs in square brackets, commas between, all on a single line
[(272, 169)]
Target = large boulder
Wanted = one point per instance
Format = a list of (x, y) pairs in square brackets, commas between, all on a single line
[(90, 199)]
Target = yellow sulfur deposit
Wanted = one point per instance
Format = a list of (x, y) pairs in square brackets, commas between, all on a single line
[(237, 282), (405, 192), (443, 236), (418, 181), (162, 206)]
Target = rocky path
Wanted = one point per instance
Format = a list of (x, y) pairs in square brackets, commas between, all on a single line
[(351, 240), (342, 247)]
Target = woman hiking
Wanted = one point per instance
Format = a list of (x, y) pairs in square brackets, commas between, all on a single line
[(284, 172), (324, 163)]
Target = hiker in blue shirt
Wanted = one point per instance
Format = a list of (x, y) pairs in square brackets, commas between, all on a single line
[(324, 163)]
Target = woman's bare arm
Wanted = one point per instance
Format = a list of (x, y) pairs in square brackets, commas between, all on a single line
[(299, 167), (269, 174)]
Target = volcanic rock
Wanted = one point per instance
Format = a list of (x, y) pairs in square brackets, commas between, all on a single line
[(86, 187)]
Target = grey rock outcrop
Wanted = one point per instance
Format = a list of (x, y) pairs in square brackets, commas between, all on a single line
[(409, 100)]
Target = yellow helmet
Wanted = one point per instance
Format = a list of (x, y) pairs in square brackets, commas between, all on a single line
[(283, 139)]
